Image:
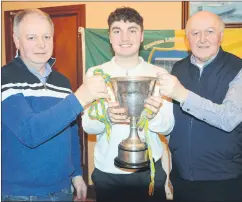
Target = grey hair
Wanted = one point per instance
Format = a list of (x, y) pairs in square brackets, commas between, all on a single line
[(21, 14)]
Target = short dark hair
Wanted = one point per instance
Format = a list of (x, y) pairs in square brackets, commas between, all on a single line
[(125, 14)]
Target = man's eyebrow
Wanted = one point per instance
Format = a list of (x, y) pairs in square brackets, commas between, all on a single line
[(115, 28), (133, 27), (30, 34)]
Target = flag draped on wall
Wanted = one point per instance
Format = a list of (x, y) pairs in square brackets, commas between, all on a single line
[(160, 47)]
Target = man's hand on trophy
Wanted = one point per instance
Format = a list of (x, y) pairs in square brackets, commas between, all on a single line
[(153, 103), (171, 87), (116, 113), (92, 88)]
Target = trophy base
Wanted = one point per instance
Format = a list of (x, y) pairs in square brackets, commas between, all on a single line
[(122, 164)]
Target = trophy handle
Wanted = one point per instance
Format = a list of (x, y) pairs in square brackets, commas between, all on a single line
[(155, 88), (110, 89)]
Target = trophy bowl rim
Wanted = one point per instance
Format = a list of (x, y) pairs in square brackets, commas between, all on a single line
[(133, 78)]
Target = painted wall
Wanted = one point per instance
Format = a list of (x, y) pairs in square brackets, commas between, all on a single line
[(157, 15)]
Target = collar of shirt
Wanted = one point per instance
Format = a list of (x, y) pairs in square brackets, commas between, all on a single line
[(141, 62), (203, 65), (48, 70)]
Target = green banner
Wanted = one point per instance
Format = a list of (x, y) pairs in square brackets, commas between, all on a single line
[(160, 47), (98, 48)]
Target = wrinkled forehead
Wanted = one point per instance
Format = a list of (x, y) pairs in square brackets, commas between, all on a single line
[(124, 25)]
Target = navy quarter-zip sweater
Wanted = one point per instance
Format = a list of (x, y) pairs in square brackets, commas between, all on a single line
[(40, 143), (201, 151)]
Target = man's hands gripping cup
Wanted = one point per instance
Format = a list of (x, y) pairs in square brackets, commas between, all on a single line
[(93, 88)]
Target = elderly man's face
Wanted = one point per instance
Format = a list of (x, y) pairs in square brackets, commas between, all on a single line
[(34, 39), (205, 35)]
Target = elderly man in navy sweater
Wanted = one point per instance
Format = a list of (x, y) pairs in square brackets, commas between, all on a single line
[(206, 142), (40, 143)]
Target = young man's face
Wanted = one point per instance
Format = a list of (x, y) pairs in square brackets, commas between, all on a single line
[(126, 38), (34, 39)]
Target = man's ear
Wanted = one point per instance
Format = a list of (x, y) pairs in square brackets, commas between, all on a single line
[(109, 37), (221, 36), (16, 40), (142, 36)]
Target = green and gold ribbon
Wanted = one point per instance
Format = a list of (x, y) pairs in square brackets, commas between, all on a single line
[(94, 106), (144, 124)]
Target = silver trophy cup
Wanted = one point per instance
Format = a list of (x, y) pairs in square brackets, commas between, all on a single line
[(131, 93)]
